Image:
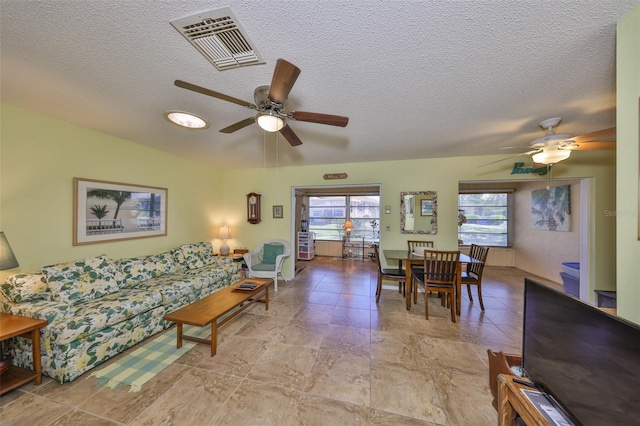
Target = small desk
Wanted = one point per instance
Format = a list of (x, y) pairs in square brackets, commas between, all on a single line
[(12, 326), (409, 258)]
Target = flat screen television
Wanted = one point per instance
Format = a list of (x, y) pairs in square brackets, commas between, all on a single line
[(587, 359)]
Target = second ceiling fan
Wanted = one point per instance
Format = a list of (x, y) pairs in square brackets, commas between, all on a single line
[(269, 102), (555, 147)]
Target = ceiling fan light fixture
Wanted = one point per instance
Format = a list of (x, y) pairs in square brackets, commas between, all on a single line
[(270, 122), (186, 119), (551, 156)]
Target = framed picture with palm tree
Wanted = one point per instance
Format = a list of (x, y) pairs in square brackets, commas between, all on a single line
[(109, 211)]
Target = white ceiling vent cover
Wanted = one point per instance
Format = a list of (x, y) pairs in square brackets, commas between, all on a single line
[(217, 34)]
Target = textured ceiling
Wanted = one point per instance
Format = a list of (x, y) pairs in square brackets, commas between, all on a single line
[(417, 79)]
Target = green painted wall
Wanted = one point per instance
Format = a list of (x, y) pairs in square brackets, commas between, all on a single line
[(628, 173)]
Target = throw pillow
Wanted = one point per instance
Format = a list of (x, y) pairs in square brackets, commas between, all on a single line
[(82, 280), (271, 251), (25, 287)]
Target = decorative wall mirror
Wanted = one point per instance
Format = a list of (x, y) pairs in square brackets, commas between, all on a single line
[(419, 212)]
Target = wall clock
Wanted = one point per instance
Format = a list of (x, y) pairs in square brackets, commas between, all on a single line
[(253, 207)]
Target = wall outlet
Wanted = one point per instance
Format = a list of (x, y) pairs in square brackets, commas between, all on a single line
[(388, 227)]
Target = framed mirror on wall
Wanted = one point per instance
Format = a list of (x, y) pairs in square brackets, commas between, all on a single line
[(419, 212)]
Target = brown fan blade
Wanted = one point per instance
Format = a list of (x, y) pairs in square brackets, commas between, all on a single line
[(313, 117), (284, 76), (604, 135), (239, 125), (290, 136), (209, 92)]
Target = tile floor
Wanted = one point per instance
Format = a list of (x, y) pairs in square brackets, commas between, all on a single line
[(323, 354)]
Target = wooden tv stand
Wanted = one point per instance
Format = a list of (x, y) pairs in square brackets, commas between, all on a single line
[(512, 401)]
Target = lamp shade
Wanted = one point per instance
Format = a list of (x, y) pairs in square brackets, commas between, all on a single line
[(224, 233), (348, 225), (7, 258)]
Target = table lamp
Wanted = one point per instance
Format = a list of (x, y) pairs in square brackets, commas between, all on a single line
[(224, 235), (348, 225), (7, 258)]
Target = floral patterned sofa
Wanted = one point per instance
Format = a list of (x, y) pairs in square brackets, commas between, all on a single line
[(98, 307)]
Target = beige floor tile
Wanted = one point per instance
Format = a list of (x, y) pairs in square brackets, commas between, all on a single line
[(284, 365), (406, 390), (255, 403), (467, 399), (315, 410), (341, 375), (193, 400)]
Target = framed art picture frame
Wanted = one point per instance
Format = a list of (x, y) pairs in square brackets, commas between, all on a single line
[(426, 207), (278, 212), (106, 211)]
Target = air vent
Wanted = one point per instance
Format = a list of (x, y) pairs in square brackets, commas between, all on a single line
[(217, 34)]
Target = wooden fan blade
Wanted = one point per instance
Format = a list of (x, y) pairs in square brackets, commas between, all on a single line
[(290, 135), (210, 92), (239, 125), (314, 117), (604, 135), (284, 76), (509, 158)]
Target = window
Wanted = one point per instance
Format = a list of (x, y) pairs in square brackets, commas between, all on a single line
[(485, 218), (327, 215)]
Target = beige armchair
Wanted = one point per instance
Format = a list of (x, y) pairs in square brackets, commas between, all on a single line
[(267, 259)]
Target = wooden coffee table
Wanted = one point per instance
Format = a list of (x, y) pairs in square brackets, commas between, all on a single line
[(209, 309), (12, 326)]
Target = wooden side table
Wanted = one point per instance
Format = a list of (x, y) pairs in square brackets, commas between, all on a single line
[(12, 326)]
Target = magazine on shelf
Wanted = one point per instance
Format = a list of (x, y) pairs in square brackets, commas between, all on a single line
[(548, 407)]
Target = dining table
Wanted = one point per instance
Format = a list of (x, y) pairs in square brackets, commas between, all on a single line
[(410, 258)]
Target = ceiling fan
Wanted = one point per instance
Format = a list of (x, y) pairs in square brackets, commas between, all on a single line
[(269, 102), (555, 147)]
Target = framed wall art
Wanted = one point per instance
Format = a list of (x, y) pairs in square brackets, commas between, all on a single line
[(110, 211), (278, 212)]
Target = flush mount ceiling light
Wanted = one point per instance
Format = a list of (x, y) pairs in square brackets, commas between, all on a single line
[(270, 122), (186, 120)]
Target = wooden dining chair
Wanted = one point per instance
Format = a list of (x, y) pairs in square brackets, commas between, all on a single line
[(411, 244), (473, 274), (439, 274), (387, 274)]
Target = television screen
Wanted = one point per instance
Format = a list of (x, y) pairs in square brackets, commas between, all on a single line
[(587, 359)]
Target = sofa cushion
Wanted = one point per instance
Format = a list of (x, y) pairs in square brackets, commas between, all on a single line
[(43, 309), (195, 255), (271, 252), (177, 286), (264, 267), (25, 287), (107, 311), (139, 269), (82, 280)]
